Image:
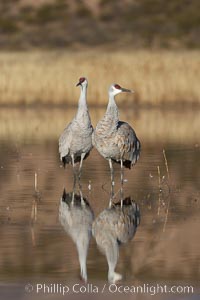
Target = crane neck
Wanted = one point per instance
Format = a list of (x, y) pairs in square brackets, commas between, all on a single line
[(112, 108), (82, 111), (112, 254), (83, 97), (82, 248)]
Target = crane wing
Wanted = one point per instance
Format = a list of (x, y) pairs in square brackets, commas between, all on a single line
[(127, 142), (65, 140)]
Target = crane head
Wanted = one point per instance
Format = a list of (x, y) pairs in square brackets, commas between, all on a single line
[(82, 81), (116, 89)]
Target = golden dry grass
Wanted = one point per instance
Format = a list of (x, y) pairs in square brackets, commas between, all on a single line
[(154, 126), (50, 77)]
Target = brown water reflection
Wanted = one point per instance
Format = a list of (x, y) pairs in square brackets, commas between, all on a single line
[(34, 246)]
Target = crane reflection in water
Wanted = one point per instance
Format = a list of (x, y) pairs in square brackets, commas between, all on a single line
[(76, 217), (114, 226)]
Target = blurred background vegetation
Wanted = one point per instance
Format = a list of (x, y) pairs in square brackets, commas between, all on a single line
[(28, 24), (151, 46)]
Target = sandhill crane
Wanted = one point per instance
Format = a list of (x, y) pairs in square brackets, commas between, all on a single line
[(75, 142), (116, 140), (113, 226), (76, 217)]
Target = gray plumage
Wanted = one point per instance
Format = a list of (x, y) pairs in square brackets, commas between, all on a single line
[(116, 140), (75, 142), (76, 217), (113, 226)]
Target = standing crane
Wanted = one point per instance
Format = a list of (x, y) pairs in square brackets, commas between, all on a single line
[(76, 217), (113, 226), (75, 142), (116, 140)]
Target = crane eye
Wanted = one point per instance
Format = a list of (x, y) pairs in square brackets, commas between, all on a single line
[(117, 86)]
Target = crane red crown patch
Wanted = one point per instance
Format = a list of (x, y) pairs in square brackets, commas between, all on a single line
[(82, 79)]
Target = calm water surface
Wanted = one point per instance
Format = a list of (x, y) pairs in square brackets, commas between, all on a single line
[(35, 247)]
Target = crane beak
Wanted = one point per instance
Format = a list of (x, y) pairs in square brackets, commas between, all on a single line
[(127, 91), (79, 83)]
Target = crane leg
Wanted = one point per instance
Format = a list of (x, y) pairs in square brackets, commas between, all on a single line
[(110, 202), (73, 165), (112, 176), (122, 172), (121, 195), (73, 198), (122, 183), (81, 195), (81, 164), (74, 183), (74, 170)]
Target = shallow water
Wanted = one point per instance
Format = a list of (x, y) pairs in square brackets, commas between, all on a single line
[(35, 247)]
